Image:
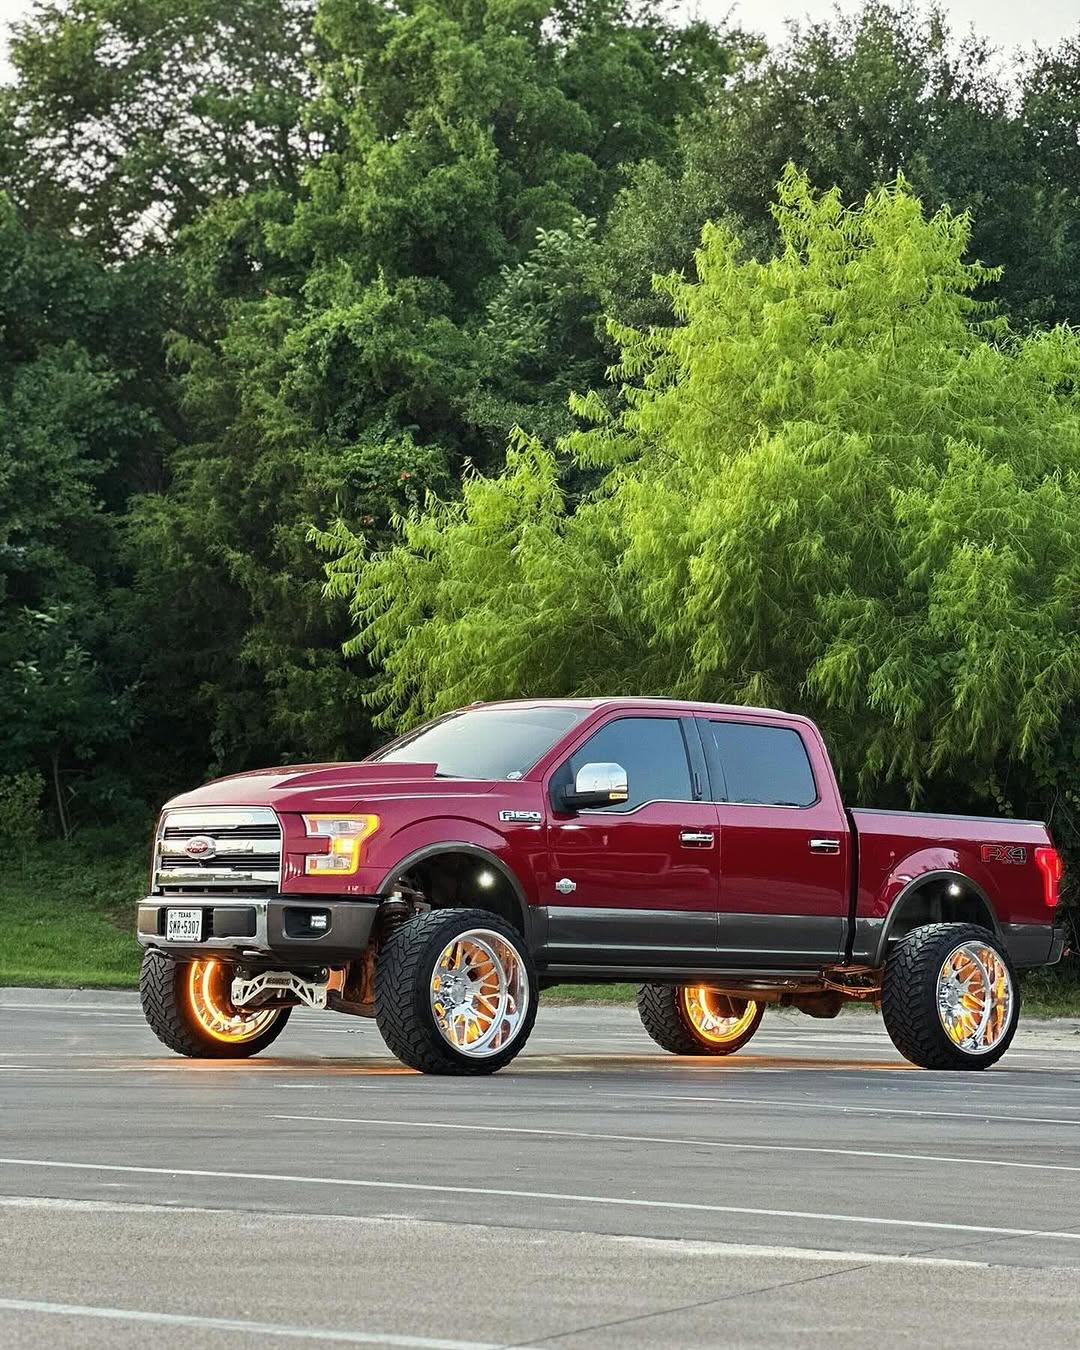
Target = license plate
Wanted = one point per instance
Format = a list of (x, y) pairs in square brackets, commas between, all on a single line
[(183, 925)]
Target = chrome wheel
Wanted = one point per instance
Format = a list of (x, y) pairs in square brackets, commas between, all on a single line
[(974, 997), (479, 993), (716, 1018), (208, 991)]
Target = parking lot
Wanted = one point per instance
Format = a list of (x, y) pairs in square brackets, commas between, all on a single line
[(597, 1193)]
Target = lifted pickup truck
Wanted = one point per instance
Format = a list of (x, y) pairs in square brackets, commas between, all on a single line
[(701, 851)]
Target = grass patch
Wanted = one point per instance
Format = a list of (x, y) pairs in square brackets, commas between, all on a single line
[(1053, 992), (67, 916), (590, 993)]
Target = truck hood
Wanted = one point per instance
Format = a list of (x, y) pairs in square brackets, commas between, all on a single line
[(308, 787)]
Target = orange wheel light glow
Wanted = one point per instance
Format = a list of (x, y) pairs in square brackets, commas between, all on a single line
[(716, 1018), (975, 997), (208, 992)]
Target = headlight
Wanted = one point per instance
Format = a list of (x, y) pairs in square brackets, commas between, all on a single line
[(346, 835)]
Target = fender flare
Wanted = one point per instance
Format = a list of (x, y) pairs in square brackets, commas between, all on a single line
[(481, 854), (917, 883)]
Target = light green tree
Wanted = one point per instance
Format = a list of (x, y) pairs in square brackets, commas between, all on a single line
[(836, 482)]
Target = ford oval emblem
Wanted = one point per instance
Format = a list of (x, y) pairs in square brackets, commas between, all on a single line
[(202, 846)]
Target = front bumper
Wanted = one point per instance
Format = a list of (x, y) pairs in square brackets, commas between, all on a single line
[(261, 927)]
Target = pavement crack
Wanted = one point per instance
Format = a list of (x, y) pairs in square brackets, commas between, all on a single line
[(684, 1307), (982, 1243)]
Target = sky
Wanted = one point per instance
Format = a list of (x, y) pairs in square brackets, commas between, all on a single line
[(1007, 23)]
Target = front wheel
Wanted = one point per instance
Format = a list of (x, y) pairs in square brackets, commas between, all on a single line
[(692, 1019), (455, 992), (188, 1007), (949, 998)]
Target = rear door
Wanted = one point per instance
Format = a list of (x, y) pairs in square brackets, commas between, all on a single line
[(635, 885), (783, 843)]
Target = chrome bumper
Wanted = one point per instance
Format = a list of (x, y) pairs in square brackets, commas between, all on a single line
[(261, 927)]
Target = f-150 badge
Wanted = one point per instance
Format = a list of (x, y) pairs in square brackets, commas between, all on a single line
[(521, 817)]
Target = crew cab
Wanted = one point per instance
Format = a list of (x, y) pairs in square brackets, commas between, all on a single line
[(701, 851)]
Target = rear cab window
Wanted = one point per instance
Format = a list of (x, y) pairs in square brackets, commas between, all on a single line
[(754, 764)]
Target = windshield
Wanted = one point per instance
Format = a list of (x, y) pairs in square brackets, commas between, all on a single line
[(484, 742)]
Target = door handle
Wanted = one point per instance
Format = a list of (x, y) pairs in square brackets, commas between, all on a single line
[(696, 839), (824, 845)]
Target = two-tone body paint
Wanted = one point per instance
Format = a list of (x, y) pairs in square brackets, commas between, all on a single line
[(761, 894)]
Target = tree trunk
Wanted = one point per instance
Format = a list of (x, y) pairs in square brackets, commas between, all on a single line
[(65, 826)]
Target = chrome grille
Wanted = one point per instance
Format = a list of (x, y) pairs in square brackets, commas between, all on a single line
[(241, 849)]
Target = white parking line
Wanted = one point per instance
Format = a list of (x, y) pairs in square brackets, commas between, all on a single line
[(763, 1103), (237, 1327), (117, 1009), (564, 1197), (668, 1141), (679, 1248)]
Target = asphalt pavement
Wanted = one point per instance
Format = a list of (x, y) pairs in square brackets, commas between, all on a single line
[(813, 1188)]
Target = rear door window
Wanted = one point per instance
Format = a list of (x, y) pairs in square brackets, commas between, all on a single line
[(759, 765)]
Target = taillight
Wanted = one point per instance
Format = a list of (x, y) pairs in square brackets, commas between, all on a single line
[(1052, 869)]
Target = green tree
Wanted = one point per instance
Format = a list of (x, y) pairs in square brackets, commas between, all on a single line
[(346, 347), (856, 100), (835, 483), (73, 429), (129, 117)]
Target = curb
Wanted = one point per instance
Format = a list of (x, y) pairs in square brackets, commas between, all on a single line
[(16, 996)]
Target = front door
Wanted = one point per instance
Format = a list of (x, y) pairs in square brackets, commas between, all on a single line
[(634, 885)]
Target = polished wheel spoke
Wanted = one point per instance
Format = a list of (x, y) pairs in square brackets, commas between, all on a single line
[(974, 997), (479, 988)]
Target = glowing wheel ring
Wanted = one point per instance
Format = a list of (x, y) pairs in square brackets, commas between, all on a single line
[(208, 995), (715, 1018)]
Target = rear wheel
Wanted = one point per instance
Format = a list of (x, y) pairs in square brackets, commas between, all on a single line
[(188, 1007), (692, 1019), (950, 999), (455, 992)]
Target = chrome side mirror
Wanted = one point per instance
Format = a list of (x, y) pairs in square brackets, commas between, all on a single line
[(598, 785)]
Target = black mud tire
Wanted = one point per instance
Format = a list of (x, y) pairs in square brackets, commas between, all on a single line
[(170, 1016), (403, 973), (663, 1016), (909, 996)]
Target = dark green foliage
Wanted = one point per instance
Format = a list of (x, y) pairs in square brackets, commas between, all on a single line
[(131, 116), (854, 102), (277, 270), (74, 434)]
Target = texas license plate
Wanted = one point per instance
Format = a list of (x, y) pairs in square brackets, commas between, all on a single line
[(183, 925)]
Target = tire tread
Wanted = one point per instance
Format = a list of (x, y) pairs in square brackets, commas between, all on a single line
[(662, 1017), (169, 1018), (907, 1003), (402, 985)]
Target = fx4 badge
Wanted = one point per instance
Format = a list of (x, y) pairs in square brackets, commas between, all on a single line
[(521, 817), (1004, 853)]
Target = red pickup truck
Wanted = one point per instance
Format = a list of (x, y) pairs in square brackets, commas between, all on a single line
[(701, 851)]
